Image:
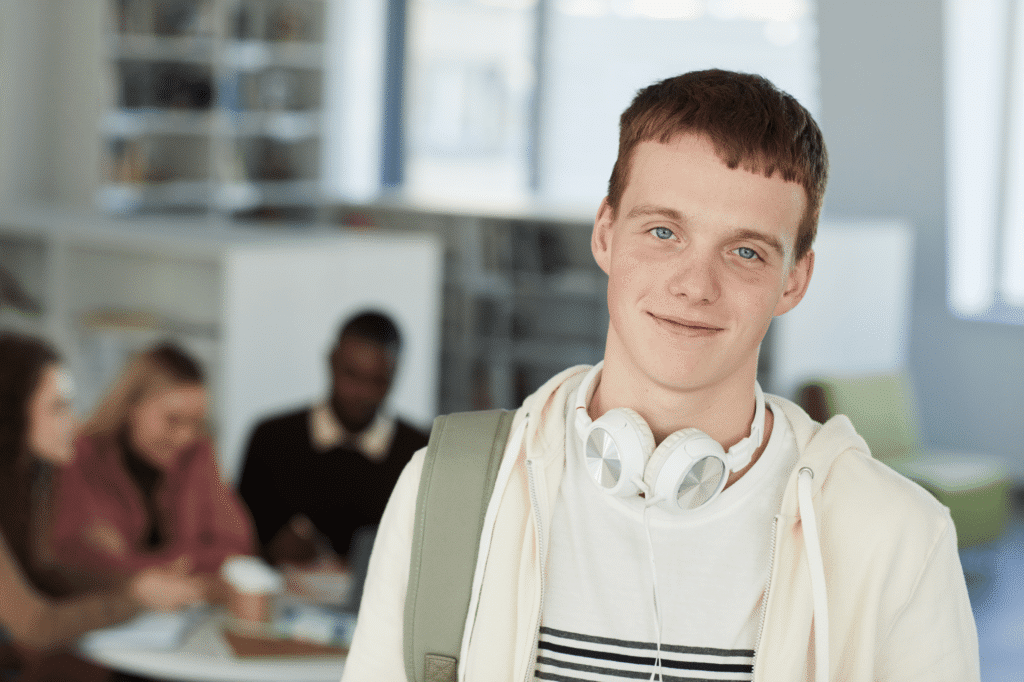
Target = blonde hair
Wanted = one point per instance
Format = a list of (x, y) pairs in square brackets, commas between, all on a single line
[(161, 367)]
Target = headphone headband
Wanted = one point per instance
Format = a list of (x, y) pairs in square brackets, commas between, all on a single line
[(739, 455)]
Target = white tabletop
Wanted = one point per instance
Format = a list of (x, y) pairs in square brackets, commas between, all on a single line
[(150, 646)]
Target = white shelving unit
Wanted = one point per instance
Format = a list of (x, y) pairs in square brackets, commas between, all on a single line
[(259, 306), (216, 106)]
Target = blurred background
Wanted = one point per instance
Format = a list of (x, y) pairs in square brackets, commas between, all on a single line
[(239, 174), (491, 124)]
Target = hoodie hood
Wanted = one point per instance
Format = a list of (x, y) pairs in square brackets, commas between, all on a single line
[(545, 410), (819, 445)]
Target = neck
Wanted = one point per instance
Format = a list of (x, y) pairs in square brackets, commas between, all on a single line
[(723, 411), (131, 449), (351, 427)]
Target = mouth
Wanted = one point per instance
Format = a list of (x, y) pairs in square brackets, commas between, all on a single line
[(684, 325)]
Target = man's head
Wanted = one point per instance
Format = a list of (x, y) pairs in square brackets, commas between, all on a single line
[(706, 233), (363, 364), (751, 124)]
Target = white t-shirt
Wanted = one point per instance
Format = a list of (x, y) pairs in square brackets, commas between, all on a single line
[(712, 567)]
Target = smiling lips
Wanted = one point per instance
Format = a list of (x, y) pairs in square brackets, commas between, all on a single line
[(683, 325)]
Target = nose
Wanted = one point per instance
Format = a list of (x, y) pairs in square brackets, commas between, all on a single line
[(695, 276)]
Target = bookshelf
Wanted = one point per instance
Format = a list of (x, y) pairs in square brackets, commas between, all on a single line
[(216, 106)]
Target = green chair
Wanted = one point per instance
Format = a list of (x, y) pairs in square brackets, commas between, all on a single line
[(975, 487)]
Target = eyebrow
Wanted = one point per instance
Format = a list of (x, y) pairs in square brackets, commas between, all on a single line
[(645, 210), (650, 209)]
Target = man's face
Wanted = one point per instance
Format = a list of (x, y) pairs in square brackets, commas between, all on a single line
[(362, 372), (699, 259)]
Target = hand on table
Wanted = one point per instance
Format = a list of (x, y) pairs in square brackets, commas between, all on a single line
[(298, 542), (168, 588)]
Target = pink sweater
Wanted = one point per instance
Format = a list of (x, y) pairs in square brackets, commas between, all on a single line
[(99, 516)]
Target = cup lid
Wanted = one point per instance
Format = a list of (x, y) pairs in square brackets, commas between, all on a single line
[(251, 574)]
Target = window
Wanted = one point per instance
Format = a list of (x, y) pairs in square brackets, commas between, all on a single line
[(513, 100), (985, 158), (598, 53), (470, 87)]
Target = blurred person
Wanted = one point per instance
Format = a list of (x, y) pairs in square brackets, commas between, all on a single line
[(313, 477), (37, 426), (144, 489)]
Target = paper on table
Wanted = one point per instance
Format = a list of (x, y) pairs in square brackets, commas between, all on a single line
[(150, 631), (322, 586)]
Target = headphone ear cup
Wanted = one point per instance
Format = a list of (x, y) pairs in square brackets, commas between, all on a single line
[(616, 447), (663, 452), (690, 470)]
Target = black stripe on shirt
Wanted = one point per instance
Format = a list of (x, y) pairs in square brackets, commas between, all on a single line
[(625, 643), (646, 660), (581, 658), (555, 677), (597, 670)]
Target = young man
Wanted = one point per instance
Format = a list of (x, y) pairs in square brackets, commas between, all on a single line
[(657, 516), (314, 476)]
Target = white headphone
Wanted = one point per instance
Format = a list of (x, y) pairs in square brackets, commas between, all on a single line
[(688, 469)]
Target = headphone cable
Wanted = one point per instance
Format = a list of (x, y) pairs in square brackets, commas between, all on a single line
[(650, 501)]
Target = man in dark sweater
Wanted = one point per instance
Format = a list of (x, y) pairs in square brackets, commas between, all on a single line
[(313, 477)]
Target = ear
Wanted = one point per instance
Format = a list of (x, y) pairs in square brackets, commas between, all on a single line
[(601, 238), (797, 280)]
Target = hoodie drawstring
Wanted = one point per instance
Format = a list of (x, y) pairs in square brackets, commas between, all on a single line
[(809, 524)]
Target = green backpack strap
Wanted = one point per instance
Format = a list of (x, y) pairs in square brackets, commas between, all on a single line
[(463, 457)]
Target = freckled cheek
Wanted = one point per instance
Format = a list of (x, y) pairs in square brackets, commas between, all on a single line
[(761, 305), (636, 276), (625, 294)]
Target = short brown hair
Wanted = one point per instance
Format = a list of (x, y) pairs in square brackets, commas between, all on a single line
[(751, 123)]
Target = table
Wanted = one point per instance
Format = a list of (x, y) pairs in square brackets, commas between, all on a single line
[(154, 646)]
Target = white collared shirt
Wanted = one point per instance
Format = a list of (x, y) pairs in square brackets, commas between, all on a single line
[(373, 442)]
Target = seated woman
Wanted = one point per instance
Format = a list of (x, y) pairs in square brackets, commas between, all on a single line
[(36, 430), (144, 489)]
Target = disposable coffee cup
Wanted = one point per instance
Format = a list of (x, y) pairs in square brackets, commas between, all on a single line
[(253, 585)]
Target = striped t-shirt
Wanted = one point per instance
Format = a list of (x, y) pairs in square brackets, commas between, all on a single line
[(712, 565)]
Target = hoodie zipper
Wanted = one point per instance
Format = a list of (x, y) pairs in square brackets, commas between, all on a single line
[(767, 591), (535, 503)]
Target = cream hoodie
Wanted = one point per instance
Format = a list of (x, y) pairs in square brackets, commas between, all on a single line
[(896, 600)]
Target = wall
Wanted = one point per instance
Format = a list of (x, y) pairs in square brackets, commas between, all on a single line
[(882, 97), (81, 92), (52, 89), (26, 68)]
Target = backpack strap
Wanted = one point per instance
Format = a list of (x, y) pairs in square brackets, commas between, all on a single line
[(461, 465)]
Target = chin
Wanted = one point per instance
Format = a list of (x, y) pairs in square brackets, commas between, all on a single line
[(673, 372), (57, 458)]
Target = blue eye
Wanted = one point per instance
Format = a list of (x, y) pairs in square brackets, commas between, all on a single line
[(662, 233), (746, 253)]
